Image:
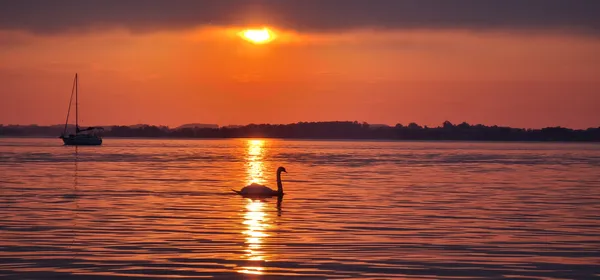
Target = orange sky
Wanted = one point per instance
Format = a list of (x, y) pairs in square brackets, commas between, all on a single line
[(210, 75)]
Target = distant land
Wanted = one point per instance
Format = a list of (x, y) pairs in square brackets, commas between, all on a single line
[(327, 130), (198, 125)]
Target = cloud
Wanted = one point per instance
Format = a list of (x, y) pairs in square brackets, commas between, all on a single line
[(42, 16)]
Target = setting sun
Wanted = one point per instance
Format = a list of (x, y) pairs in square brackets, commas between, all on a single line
[(258, 36)]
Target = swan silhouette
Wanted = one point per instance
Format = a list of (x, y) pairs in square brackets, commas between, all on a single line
[(258, 190)]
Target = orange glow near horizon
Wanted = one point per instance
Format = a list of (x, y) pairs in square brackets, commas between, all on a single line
[(210, 75)]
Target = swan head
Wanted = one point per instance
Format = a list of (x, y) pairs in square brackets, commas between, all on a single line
[(281, 169)]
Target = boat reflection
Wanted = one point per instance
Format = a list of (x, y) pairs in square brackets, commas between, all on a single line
[(74, 197)]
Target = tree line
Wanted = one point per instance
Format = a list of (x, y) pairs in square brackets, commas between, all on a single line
[(334, 130)]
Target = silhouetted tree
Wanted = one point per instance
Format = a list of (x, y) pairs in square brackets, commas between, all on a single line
[(447, 125), (413, 125)]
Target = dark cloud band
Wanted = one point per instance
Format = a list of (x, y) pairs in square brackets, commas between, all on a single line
[(43, 16)]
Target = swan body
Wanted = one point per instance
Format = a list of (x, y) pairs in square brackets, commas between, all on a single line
[(258, 190)]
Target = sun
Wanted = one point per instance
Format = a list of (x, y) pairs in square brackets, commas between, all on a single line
[(258, 36)]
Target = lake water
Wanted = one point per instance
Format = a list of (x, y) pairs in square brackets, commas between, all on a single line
[(163, 209)]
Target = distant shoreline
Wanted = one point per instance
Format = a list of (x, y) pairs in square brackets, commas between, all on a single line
[(323, 140), (340, 131)]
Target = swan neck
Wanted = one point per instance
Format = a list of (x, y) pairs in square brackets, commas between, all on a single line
[(279, 185)]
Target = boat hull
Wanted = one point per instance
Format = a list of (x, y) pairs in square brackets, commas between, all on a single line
[(82, 140)]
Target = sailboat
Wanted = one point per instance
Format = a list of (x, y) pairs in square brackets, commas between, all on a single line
[(87, 136)]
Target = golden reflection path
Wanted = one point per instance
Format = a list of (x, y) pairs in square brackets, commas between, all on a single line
[(255, 218), (254, 161)]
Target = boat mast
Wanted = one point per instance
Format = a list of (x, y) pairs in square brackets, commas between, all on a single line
[(69, 111), (76, 104)]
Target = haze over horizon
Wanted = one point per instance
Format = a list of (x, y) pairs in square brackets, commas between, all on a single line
[(526, 64)]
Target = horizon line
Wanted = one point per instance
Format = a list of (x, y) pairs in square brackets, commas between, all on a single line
[(218, 126)]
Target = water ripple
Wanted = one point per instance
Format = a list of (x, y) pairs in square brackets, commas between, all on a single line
[(156, 209)]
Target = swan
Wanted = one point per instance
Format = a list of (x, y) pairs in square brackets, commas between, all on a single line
[(258, 190)]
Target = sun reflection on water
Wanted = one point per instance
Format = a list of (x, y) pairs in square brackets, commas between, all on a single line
[(255, 161), (256, 224), (255, 218)]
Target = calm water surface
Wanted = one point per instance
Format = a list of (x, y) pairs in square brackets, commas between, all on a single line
[(380, 210)]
